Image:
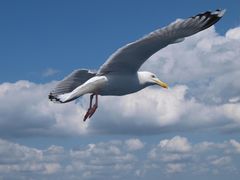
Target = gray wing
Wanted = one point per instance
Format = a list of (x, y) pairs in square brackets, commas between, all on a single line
[(72, 81), (129, 58)]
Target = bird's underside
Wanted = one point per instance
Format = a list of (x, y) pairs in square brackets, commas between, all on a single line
[(125, 63)]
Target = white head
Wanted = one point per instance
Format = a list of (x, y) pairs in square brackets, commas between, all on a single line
[(148, 79)]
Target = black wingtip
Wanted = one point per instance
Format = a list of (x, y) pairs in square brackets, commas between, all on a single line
[(53, 98), (214, 17), (217, 12), (210, 18), (50, 97)]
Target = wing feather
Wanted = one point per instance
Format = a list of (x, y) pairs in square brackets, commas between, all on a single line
[(129, 58), (72, 81)]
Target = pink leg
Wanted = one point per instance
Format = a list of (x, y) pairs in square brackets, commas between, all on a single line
[(95, 106), (91, 110)]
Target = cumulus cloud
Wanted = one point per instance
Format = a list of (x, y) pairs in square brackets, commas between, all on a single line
[(233, 33), (207, 63), (25, 110), (181, 156), (134, 144), (112, 160), (177, 144), (100, 160), (175, 168), (24, 161), (236, 145), (204, 93)]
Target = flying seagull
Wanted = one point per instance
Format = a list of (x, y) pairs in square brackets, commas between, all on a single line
[(119, 75)]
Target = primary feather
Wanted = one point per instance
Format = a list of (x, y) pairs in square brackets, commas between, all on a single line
[(129, 58)]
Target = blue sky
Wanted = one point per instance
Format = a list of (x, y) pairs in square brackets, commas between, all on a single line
[(191, 129), (63, 35)]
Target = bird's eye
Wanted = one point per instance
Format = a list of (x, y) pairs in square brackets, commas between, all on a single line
[(152, 76)]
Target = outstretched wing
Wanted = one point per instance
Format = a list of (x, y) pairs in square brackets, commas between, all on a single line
[(72, 81), (129, 58)]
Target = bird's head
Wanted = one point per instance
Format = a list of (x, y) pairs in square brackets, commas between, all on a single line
[(148, 79)]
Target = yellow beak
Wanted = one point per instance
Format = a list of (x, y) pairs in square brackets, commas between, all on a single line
[(160, 83)]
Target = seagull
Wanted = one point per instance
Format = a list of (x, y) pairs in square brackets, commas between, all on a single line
[(119, 75)]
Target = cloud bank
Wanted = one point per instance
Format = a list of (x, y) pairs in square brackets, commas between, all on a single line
[(118, 159), (204, 94)]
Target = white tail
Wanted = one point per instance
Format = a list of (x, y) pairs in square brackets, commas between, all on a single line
[(91, 86), (64, 97)]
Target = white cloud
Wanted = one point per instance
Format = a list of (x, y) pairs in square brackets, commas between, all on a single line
[(25, 110), (233, 33), (11, 153), (175, 168), (199, 158), (232, 111), (52, 168), (112, 160), (134, 144), (235, 144), (176, 144), (222, 161), (37, 116), (102, 160), (202, 74), (207, 63), (234, 99), (17, 158)]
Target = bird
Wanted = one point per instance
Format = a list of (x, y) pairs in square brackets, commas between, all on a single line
[(120, 74)]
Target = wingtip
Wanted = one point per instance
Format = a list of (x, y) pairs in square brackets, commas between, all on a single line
[(210, 18), (222, 13), (53, 98), (219, 12)]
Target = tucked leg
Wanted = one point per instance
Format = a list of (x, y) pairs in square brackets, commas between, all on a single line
[(95, 106), (89, 109)]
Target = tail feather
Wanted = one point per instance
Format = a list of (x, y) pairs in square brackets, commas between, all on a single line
[(61, 93), (63, 98)]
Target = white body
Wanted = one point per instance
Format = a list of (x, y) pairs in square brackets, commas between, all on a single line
[(121, 85), (111, 85)]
